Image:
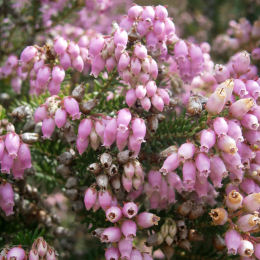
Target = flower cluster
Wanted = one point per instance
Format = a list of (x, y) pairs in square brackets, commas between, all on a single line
[(245, 209), (123, 233), (39, 250), (240, 35), (15, 155), (12, 69), (138, 82)]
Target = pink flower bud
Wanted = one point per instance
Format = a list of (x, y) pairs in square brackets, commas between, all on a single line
[(111, 235), (110, 132), (72, 107), (247, 185), (129, 169), (18, 169), (127, 183), (90, 198), (7, 198), (221, 73), (40, 114), (151, 88), (175, 181), (97, 65), (256, 111), (146, 220), (2, 148), (161, 12), (60, 45), (16, 84), (82, 144), (129, 228), (207, 140), (246, 248), (60, 117), (120, 37), (235, 131), (253, 88), (164, 95), (201, 186), (16, 253), (257, 250), (28, 54), (220, 126), (217, 170), (78, 63), (240, 88), (135, 66), (130, 97), (186, 151), (253, 137), (42, 247), (73, 49), (125, 248), (139, 129), (241, 62), (112, 253), (252, 202), (248, 222), (54, 88), (58, 74), (140, 51), (96, 45), (155, 179), (65, 61), (148, 12), (159, 27), (140, 91), (121, 139), (232, 240), (250, 121), (153, 68), (136, 255), (203, 164), (241, 107), (85, 127), (12, 144), (157, 102), (180, 50), (110, 64), (134, 11), (227, 144), (24, 156), (48, 126), (43, 75), (146, 65), (143, 27), (124, 61), (189, 175), (105, 199), (146, 103), (113, 214), (170, 164), (33, 255), (216, 101), (6, 163), (130, 210), (143, 78), (50, 255)]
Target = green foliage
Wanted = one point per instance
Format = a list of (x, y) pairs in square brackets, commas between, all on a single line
[(44, 157), (26, 237)]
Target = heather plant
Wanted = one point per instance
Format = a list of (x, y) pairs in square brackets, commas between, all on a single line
[(120, 138)]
